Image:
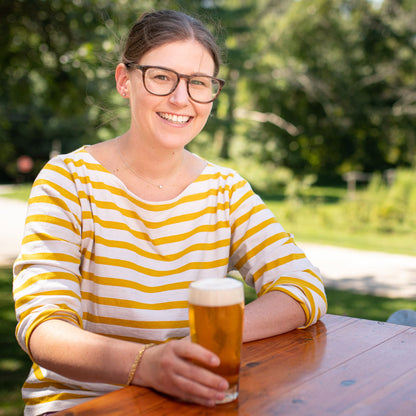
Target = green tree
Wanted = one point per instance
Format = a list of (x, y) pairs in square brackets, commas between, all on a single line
[(56, 80), (336, 72)]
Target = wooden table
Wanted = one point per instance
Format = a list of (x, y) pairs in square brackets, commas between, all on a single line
[(340, 366)]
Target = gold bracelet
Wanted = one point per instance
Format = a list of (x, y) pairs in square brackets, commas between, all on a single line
[(136, 363)]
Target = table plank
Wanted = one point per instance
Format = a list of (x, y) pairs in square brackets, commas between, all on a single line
[(385, 366), (340, 366)]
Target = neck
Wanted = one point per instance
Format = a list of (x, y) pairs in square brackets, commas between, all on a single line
[(158, 166)]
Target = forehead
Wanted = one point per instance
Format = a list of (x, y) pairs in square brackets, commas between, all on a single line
[(187, 57)]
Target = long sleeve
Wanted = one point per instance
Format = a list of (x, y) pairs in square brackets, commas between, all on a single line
[(267, 256)]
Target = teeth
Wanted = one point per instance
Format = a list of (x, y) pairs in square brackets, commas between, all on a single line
[(175, 118)]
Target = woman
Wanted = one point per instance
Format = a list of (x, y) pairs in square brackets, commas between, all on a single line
[(116, 231)]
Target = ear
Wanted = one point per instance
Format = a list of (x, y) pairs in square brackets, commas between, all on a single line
[(122, 80)]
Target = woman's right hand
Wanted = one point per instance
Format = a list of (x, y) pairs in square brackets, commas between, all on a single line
[(169, 368)]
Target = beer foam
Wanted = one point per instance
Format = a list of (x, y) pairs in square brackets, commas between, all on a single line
[(216, 292)]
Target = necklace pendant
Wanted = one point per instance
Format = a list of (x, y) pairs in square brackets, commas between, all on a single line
[(160, 186)]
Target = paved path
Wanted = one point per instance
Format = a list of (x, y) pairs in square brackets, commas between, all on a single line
[(365, 271), (373, 272), (12, 220)]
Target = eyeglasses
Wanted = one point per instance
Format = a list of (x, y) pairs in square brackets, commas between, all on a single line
[(163, 81)]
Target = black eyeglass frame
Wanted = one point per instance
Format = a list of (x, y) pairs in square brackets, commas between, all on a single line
[(144, 68)]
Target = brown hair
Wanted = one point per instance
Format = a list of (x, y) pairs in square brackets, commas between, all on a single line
[(154, 29)]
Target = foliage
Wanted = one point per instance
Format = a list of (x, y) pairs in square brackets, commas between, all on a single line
[(317, 86), (386, 208), (381, 217), (342, 73)]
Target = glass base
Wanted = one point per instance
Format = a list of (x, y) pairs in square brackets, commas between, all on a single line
[(230, 395)]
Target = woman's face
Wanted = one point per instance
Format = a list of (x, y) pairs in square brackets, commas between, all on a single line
[(155, 118)]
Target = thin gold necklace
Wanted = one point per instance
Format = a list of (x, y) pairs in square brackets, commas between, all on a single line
[(126, 164)]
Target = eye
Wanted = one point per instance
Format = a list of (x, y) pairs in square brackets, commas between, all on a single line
[(160, 75), (202, 82)]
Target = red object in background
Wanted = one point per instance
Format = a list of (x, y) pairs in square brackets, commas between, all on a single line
[(24, 164)]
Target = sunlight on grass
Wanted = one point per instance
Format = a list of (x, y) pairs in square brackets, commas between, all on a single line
[(328, 224), (357, 305), (14, 363), (20, 192)]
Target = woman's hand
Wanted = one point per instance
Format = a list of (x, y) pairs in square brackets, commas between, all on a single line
[(169, 368)]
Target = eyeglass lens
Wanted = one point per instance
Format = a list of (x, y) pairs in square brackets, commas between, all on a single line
[(161, 81)]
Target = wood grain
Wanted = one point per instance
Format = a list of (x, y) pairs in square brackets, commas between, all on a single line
[(340, 366)]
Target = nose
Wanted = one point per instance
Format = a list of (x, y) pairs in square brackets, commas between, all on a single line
[(180, 95)]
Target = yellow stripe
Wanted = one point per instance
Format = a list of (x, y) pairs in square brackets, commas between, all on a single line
[(243, 218), (156, 224), (133, 304), (47, 276), (52, 311), (39, 376), (28, 298), (64, 314), (308, 316), (87, 316), (214, 176), (256, 250), (54, 201), (59, 189), (159, 257), (51, 220), (136, 340), (41, 237), (244, 198), (60, 170), (53, 397), (151, 272), (314, 275), (111, 281), (277, 263), (81, 162), (149, 207), (206, 228), (301, 284), (49, 257)]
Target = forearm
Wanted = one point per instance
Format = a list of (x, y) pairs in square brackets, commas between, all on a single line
[(81, 355), (168, 367), (272, 314)]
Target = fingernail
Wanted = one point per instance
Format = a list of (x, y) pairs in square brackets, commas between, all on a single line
[(211, 403), (219, 397), (215, 361), (224, 385)]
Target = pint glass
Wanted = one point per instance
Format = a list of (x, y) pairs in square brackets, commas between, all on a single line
[(216, 312)]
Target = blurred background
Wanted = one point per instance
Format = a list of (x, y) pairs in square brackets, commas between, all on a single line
[(318, 113), (320, 96)]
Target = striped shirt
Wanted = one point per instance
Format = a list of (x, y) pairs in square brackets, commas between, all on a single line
[(96, 255)]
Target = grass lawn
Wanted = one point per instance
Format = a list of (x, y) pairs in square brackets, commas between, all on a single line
[(327, 223), (20, 192), (14, 363), (349, 303)]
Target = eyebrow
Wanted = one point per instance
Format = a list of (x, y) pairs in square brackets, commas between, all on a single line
[(174, 70)]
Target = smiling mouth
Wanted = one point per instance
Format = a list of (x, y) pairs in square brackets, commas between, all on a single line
[(174, 118)]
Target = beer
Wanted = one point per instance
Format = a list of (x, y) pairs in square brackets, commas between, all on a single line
[(216, 312)]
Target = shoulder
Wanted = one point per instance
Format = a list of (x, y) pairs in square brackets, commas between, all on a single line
[(76, 161), (223, 173)]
